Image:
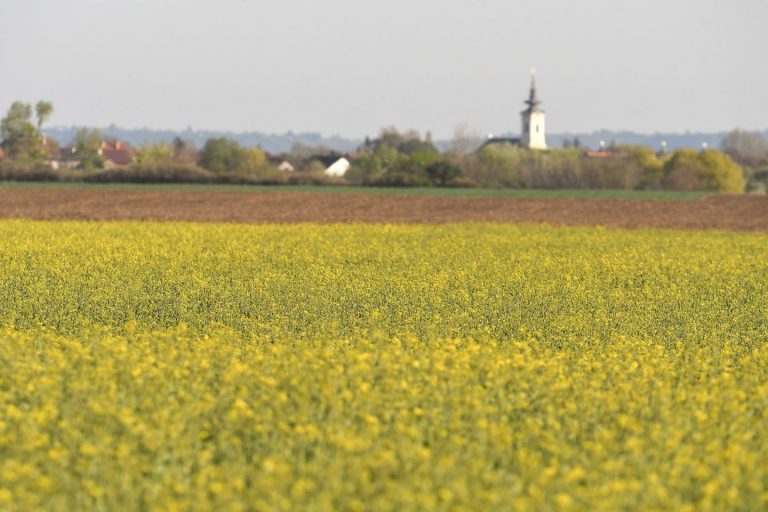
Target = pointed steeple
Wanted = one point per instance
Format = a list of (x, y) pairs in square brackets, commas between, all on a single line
[(533, 102), (532, 134)]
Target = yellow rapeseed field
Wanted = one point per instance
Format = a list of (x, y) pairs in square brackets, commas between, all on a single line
[(178, 366)]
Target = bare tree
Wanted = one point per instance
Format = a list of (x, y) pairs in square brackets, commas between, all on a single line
[(466, 139), (747, 148)]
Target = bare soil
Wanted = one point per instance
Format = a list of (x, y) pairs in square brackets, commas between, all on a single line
[(727, 212)]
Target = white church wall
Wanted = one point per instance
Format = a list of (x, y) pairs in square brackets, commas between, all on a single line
[(537, 137)]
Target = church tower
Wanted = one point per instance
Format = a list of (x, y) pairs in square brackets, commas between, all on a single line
[(532, 133)]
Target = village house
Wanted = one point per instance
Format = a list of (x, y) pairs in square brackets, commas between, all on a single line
[(280, 163), (58, 158), (116, 155), (64, 158), (331, 164)]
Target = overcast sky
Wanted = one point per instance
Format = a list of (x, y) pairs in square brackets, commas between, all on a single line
[(349, 67)]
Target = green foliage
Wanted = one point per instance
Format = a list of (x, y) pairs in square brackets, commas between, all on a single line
[(314, 166), (500, 166), (649, 165), (442, 173), (17, 121), (705, 170), (366, 169), (682, 171), (43, 110), (399, 160), (156, 155), (22, 141), (622, 167), (301, 151), (720, 173), (87, 145), (147, 173), (407, 143), (507, 165), (221, 155)]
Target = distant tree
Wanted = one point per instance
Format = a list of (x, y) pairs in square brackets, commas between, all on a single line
[(746, 148), (388, 158), (368, 169), (223, 155), (441, 173), (388, 166), (414, 145), (156, 155), (408, 142), (465, 140), (87, 145), (43, 111), (364, 170), (389, 137), (707, 170), (21, 140), (178, 145), (502, 165), (651, 167), (721, 173), (314, 166), (302, 151), (256, 160), (184, 151)]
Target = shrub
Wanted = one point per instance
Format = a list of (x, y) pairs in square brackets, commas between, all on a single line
[(721, 174), (223, 155), (13, 171), (442, 173), (314, 178), (172, 173), (707, 170)]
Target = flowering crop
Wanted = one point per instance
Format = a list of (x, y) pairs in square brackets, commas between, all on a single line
[(466, 367)]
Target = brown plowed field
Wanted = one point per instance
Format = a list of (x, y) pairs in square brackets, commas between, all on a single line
[(742, 213)]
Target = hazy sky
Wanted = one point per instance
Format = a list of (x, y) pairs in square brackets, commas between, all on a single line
[(349, 67)]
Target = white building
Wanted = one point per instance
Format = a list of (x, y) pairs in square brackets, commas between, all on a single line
[(338, 168), (532, 133), (286, 166)]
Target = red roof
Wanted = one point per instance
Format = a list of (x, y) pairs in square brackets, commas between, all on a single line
[(116, 153), (118, 156)]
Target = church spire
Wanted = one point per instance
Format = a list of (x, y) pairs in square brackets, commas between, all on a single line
[(532, 133), (533, 102)]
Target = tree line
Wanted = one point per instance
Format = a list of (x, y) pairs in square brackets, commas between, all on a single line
[(393, 158), (396, 159)]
